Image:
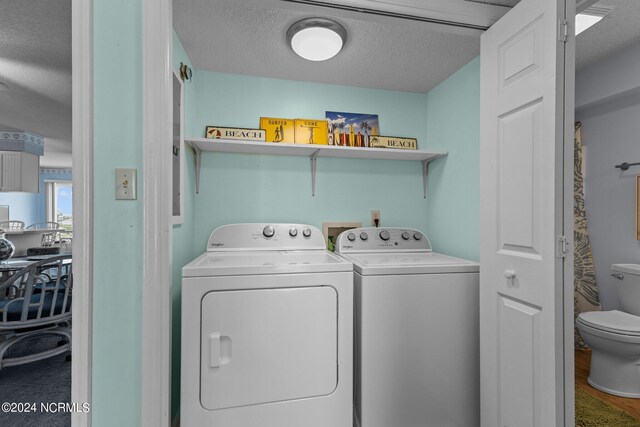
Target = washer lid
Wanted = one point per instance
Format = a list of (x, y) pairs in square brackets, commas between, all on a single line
[(409, 263), (264, 262), (614, 321)]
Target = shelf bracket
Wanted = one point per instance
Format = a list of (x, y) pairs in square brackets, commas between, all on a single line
[(425, 172), (198, 159), (313, 158)]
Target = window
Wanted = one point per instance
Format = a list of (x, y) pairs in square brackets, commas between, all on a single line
[(59, 197)]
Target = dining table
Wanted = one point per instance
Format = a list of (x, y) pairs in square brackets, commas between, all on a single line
[(27, 238), (15, 264)]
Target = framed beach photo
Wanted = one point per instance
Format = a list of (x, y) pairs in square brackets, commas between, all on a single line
[(351, 129)]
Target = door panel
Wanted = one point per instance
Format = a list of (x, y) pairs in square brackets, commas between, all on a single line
[(518, 166), (519, 343), (521, 180)]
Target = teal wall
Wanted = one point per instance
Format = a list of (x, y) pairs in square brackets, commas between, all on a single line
[(118, 239), (265, 188), (453, 124), (182, 236), (31, 207)]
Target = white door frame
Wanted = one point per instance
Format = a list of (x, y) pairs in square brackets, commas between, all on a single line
[(156, 316), (155, 386), (82, 149)]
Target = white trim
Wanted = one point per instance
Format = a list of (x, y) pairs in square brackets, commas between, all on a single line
[(179, 219), (82, 148), (156, 291), (457, 12), (568, 175)]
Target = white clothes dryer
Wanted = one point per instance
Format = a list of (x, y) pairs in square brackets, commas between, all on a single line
[(416, 331), (267, 330)]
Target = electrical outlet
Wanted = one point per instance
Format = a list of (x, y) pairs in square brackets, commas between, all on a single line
[(126, 184), (375, 218)]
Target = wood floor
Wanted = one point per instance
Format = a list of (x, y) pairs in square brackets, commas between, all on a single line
[(582, 360)]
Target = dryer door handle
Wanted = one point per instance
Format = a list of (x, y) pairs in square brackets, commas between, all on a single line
[(219, 350), (214, 350)]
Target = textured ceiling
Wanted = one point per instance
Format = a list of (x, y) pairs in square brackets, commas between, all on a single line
[(35, 63), (508, 3), (231, 36), (617, 31), (247, 37)]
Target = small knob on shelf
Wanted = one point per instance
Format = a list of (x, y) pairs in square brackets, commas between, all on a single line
[(364, 236), (417, 236), (293, 232), (351, 237), (268, 231), (406, 236), (384, 235), (306, 232)]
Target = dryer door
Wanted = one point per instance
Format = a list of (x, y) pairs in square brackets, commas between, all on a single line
[(268, 345)]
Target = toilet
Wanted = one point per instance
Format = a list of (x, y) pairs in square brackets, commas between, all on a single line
[(614, 337)]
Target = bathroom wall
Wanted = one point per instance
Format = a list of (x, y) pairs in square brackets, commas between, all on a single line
[(266, 188), (608, 105), (453, 125)]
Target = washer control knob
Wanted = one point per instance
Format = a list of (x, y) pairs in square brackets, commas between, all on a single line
[(417, 236), (384, 235), (268, 231), (293, 232), (364, 236), (351, 237), (306, 232), (406, 236)]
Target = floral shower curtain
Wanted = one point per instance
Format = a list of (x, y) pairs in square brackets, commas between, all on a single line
[(585, 287)]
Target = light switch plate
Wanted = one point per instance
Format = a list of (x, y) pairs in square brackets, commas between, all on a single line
[(126, 184)]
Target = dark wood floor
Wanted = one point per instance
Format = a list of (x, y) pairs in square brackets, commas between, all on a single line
[(582, 360)]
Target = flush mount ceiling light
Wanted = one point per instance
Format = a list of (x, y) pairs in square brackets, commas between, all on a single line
[(316, 39), (591, 16)]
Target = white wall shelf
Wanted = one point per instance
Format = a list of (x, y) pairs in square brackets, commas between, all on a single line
[(312, 152)]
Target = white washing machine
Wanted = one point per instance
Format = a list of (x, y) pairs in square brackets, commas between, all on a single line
[(416, 331), (267, 330)]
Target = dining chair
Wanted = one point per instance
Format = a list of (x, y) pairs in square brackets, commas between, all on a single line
[(12, 225), (36, 303)]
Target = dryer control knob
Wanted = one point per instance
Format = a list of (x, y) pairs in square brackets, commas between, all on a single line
[(268, 231), (384, 235), (364, 236), (406, 236), (417, 236), (293, 232), (306, 232), (351, 237)]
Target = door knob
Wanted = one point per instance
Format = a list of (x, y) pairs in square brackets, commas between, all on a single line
[(509, 274)]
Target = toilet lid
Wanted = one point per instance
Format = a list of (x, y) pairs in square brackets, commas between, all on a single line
[(613, 321)]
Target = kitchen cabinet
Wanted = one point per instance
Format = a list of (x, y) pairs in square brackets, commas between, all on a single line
[(19, 171)]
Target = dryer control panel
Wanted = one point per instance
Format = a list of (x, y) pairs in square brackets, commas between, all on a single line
[(265, 237), (371, 239)]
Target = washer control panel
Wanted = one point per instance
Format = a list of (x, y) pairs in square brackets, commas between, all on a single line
[(259, 236), (386, 239)]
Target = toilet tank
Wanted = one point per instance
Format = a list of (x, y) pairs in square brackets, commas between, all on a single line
[(627, 281)]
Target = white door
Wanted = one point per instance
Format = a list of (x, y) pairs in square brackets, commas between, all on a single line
[(523, 133)]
